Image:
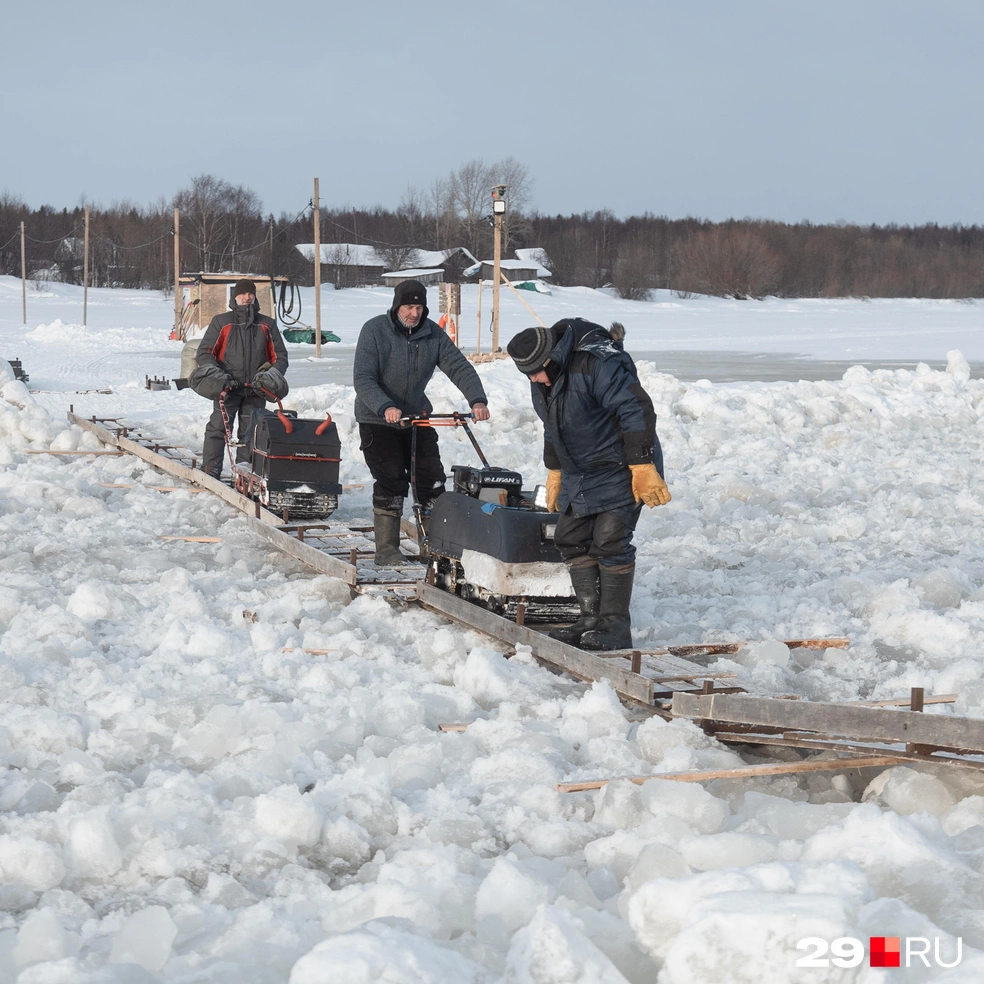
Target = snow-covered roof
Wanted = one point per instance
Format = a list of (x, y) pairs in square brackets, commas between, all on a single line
[(536, 256), (411, 274), (347, 254), (507, 265), (357, 254), (435, 257)]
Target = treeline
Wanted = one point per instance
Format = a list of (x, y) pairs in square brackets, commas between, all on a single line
[(223, 228)]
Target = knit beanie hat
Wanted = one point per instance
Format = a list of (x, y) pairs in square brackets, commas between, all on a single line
[(409, 292), (243, 287), (530, 348)]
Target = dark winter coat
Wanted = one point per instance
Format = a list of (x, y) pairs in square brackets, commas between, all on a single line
[(597, 419), (241, 350), (393, 367)]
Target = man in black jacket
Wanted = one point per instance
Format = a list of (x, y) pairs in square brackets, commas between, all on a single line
[(395, 357), (242, 352), (604, 461)]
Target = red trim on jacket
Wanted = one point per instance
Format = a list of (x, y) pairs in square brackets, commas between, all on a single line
[(218, 349)]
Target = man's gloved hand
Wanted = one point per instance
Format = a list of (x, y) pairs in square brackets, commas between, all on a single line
[(271, 379), (648, 486), (231, 383), (553, 488)]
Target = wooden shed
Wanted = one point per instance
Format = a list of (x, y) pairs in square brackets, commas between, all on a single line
[(209, 294), (516, 271)]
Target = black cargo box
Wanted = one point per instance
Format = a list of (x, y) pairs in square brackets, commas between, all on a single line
[(301, 458)]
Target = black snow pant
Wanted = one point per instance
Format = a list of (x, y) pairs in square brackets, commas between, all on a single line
[(238, 404), (604, 536), (387, 454)]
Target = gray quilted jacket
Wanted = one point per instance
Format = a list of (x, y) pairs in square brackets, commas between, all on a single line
[(393, 367)]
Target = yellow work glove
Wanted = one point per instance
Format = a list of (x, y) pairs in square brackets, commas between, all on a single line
[(553, 489), (648, 487)]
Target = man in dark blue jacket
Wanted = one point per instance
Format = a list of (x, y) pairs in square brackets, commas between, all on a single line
[(604, 461), (395, 358)]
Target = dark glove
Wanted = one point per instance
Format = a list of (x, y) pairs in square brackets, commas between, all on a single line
[(272, 380), (209, 381)]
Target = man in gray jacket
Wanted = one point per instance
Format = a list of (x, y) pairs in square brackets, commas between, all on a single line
[(395, 358)]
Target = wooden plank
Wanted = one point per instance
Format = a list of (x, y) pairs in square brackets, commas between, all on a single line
[(727, 648), (742, 772), (798, 740), (581, 664), (172, 467), (902, 701), (100, 453), (452, 727), (155, 488), (310, 556), (875, 723)]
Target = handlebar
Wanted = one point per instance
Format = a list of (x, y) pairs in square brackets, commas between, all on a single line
[(437, 419)]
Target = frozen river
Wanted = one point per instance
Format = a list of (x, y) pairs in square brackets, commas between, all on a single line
[(335, 366)]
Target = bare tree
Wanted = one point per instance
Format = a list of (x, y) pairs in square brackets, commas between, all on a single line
[(440, 201), (243, 205), (634, 273), (204, 207), (728, 260)]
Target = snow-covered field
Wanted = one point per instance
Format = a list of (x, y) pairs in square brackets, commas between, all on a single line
[(190, 797)]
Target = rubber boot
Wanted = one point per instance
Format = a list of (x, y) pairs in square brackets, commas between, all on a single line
[(614, 630), (584, 577), (386, 525)]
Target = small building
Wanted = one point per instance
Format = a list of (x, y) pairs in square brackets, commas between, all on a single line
[(426, 277), (528, 265), (347, 264), (536, 256), (516, 271), (359, 265), (204, 295)]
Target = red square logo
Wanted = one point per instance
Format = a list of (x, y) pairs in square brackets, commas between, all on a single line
[(884, 951)]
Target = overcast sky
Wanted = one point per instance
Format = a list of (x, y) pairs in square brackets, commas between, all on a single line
[(827, 110)]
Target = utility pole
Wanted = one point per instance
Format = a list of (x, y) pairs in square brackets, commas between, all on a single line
[(478, 348), (271, 256), (498, 211), (85, 269), (178, 305), (23, 276), (317, 273)]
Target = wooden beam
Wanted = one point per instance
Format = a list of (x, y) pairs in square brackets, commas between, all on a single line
[(818, 743), (452, 727), (902, 701), (155, 488), (577, 662), (742, 772), (310, 556), (872, 723), (172, 467), (107, 454)]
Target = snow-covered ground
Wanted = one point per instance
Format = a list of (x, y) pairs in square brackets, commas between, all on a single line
[(191, 797)]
